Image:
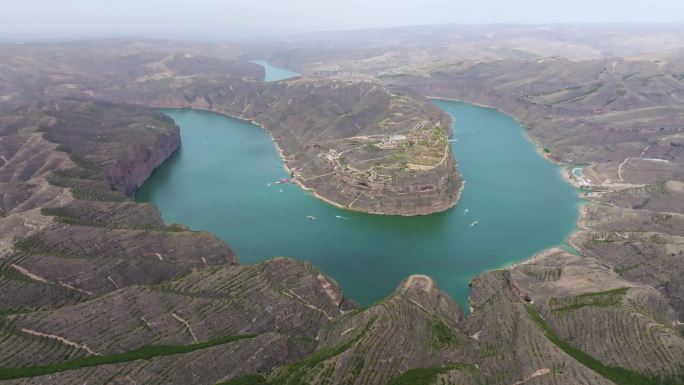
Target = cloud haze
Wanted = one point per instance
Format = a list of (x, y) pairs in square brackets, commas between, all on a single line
[(231, 18)]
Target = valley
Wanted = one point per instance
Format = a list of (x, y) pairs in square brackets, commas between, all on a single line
[(201, 186), (101, 288)]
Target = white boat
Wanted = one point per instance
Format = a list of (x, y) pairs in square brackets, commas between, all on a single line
[(474, 223), (311, 217)]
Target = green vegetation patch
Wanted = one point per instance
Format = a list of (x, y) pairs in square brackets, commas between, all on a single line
[(597, 299), (426, 376), (490, 350), (143, 353), (61, 215), (622, 270), (422, 148), (295, 373), (442, 335), (618, 375), (177, 227), (251, 379)]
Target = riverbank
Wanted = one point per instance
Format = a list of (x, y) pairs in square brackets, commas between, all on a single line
[(538, 146), (564, 170), (260, 222), (300, 181)]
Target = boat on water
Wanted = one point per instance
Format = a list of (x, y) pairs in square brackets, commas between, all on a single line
[(474, 223), (341, 217), (311, 217), (283, 180)]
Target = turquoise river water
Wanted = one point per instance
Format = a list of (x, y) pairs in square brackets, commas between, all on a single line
[(274, 73), (218, 182)]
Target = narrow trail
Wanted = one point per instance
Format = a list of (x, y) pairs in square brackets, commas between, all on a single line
[(355, 199), (187, 326), (60, 339), (620, 168), (537, 373), (292, 294), (316, 176), (261, 349), (38, 278), (113, 282), (27, 273), (643, 152)]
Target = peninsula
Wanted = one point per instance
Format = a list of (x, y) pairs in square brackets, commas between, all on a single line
[(98, 289), (358, 145)]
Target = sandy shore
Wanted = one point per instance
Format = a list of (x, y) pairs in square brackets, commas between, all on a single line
[(536, 257)]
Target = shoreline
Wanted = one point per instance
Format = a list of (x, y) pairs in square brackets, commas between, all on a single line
[(563, 169), (459, 192), (311, 190), (538, 146), (540, 255)]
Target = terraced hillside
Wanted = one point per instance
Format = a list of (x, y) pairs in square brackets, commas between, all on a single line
[(620, 118), (600, 111), (639, 232), (407, 169), (560, 318), (350, 350), (622, 121), (38, 71), (355, 144), (97, 280), (98, 289), (68, 166), (370, 52)]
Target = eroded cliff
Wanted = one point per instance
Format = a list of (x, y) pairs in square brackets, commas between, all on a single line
[(358, 145)]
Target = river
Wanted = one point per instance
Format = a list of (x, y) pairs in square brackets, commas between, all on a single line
[(273, 73), (515, 203)]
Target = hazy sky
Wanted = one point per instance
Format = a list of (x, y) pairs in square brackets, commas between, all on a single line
[(238, 18)]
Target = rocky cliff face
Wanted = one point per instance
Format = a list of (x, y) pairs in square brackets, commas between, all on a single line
[(105, 139), (599, 111), (622, 121), (418, 193), (134, 167), (360, 146), (97, 289), (79, 236), (357, 144), (104, 292)]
